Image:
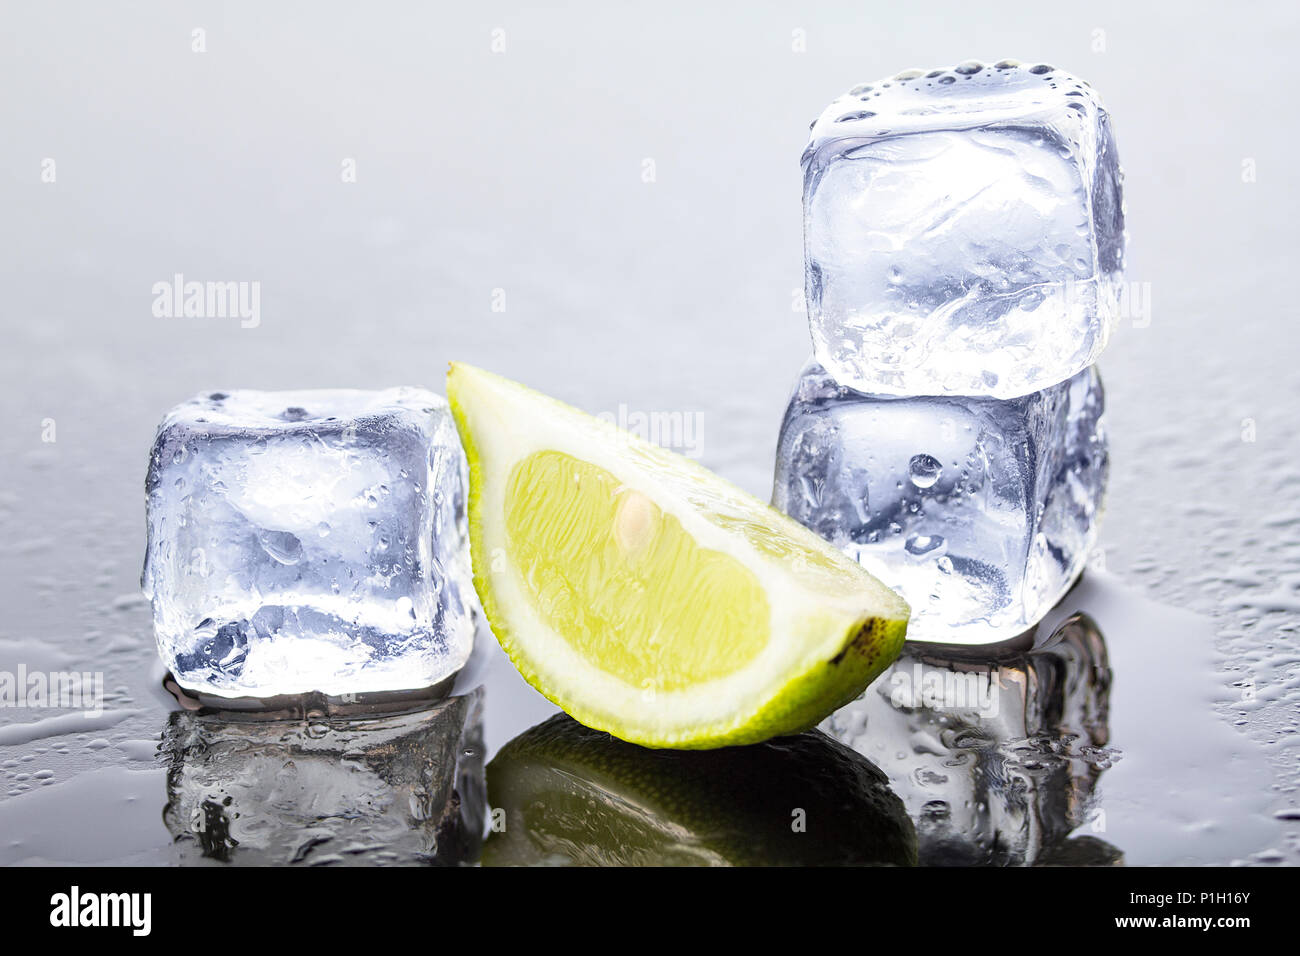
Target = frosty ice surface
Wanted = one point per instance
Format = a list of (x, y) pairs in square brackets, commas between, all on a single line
[(309, 541), (963, 231), (980, 511)]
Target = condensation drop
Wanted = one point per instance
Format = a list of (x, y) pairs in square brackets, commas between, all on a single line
[(924, 470)]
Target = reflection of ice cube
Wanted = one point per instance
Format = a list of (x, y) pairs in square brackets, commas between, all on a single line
[(995, 754), (963, 231), (981, 512), (374, 790), (309, 541)]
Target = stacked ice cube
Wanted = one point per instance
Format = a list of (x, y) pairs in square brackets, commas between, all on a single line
[(963, 248)]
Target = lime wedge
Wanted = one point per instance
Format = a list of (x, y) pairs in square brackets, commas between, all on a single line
[(648, 597)]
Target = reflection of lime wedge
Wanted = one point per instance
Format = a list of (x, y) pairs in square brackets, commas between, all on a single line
[(570, 795), (648, 597)]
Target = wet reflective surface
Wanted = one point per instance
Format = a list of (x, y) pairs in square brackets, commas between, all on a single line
[(403, 789), (998, 755), (1058, 748), (625, 288), (567, 795)]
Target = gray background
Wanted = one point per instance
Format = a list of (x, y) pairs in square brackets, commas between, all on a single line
[(523, 171)]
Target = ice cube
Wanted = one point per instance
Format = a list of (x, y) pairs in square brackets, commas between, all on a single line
[(980, 511), (309, 541), (996, 755), (397, 789), (963, 231)]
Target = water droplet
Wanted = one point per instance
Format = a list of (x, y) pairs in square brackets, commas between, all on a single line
[(282, 546), (936, 810), (921, 544), (924, 470)]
